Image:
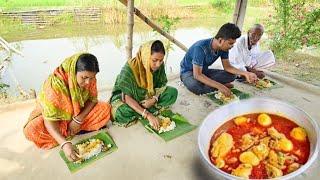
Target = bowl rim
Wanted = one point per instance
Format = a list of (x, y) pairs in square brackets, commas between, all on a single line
[(301, 170)]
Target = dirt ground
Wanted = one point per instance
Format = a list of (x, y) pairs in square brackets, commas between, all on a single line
[(300, 65), (140, 155)]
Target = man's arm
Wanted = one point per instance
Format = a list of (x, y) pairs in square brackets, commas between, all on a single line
[(229, 68), (198, 75), (260, 74), (251, 77), (198, 58)]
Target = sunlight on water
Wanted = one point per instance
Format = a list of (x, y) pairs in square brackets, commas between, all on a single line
[(42, 56)]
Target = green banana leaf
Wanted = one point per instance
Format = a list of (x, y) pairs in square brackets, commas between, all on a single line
[(105, 137), (240, 94), (274, 85), (182, 126)]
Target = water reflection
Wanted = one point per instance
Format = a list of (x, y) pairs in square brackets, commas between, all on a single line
[(42, 56)]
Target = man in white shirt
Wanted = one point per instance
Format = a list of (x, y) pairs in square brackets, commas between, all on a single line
[(246, 54)]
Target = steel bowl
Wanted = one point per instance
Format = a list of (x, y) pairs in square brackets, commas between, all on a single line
[(257, 105)]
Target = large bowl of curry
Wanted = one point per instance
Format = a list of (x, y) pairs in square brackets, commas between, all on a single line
[(258, 138)]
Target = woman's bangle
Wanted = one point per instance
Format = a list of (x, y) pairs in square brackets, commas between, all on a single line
[(144, 113), (76, 120), (155, 98), (123, 97), (64, 143)]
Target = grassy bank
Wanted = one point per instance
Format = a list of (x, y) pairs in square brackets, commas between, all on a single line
[(115, 13), (302, 65), (35, 4), (30, 4), (13, 29)]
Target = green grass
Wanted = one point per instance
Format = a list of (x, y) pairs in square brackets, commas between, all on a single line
[(193, 2), (36, 4), (10, 4), (27, 4), (303, 65), (10, 26), (204, 12)]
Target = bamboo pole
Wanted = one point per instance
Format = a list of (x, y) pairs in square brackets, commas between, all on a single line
[(8, 47), (4, 46), (156, 27), (130, 23), (240, 12), (22, 92), (4, 66)]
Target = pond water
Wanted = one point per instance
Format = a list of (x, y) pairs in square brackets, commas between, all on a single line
[(43, 55)]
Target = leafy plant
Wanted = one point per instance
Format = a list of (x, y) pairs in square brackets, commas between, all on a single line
[(3, 90), (295, 24), (167, 24), (3, 86), (64, 18), (223, 5)]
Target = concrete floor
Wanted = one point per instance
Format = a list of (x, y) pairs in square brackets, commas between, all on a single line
[(141, 155)]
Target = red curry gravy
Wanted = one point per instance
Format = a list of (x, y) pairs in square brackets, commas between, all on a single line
[(301, 149)]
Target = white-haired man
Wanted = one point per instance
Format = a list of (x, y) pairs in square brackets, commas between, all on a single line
[(246, 54)]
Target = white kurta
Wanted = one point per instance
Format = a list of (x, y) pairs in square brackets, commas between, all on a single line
[(240, 56)]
